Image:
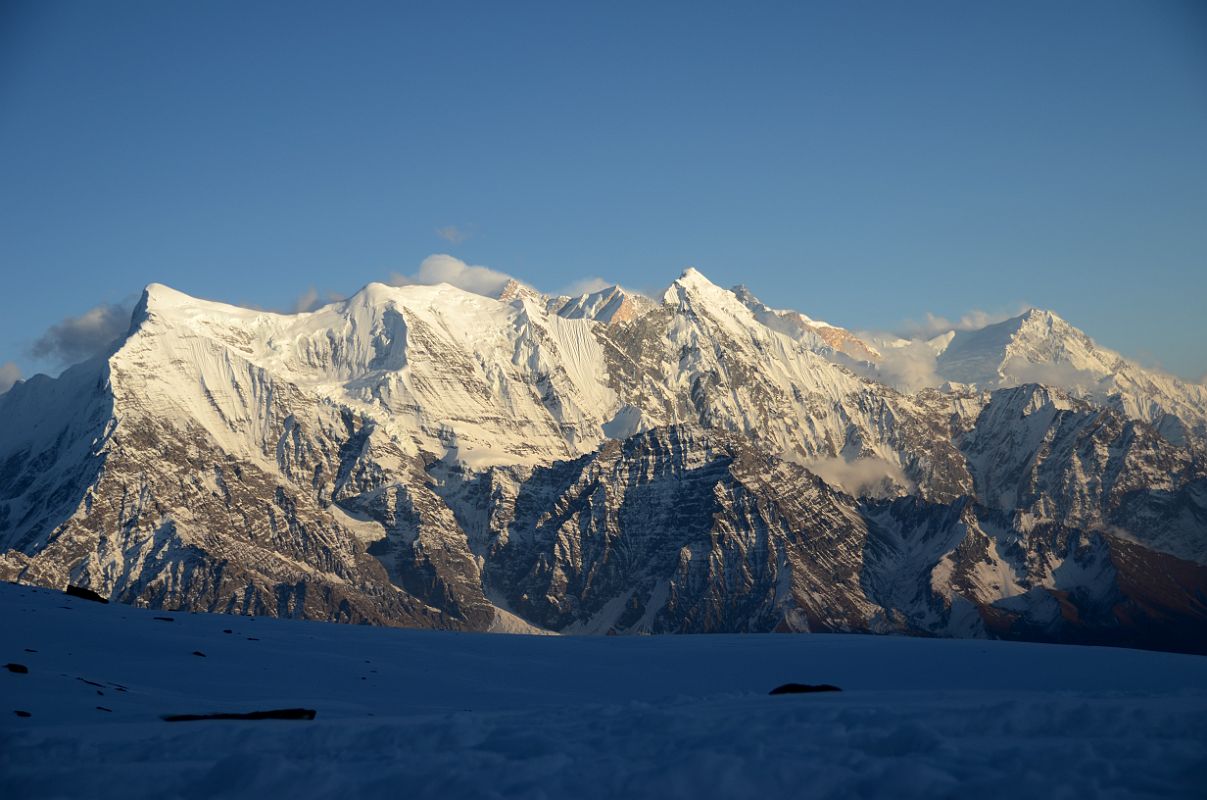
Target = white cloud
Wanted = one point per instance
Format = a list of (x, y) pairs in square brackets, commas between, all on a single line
[(863, 477), (1018, 371), (78, 338), (932, 324), (586, 286), (10, 373), (306, 300), (908, 368), (312, 299), (452, 234), (443, 268), (910, 365)]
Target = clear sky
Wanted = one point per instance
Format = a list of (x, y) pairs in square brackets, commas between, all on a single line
[(863, 162)]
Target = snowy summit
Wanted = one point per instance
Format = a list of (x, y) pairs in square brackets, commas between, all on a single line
[(426, 456)]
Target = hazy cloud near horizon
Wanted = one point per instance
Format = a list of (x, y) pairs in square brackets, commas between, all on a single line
[(75, 339), (10, 373)]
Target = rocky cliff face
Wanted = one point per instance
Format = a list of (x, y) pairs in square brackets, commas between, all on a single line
[(677, 530), (427, 457)]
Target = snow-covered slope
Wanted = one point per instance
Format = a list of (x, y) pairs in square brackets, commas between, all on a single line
[(438, 368), (822, 337), (422, 455), (704, 358), (1040, 347), (431, 714)]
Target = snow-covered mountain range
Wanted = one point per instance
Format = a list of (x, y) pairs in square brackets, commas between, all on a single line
[(426, 456)]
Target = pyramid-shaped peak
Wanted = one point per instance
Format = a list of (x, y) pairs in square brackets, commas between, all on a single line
[(611, 305), (1040, 315), (514, 290), (606, 291), (693, 276), (1033, 321), (692, 282)]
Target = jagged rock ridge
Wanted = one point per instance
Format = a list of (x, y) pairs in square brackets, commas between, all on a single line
[(426, 456)]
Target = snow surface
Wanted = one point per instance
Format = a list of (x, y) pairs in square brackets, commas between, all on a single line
[(431, 714)]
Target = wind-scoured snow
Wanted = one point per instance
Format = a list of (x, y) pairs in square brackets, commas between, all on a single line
[(430, 714)]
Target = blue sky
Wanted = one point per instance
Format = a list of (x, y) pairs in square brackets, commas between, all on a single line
[(867, 163)]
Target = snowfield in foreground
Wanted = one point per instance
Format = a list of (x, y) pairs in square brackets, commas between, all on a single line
[(429, 714)]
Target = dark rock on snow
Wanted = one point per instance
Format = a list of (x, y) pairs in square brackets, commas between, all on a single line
[(280, 713), (84, 594), (804, 688)]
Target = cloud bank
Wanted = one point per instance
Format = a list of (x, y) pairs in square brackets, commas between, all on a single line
[(443, 268), (10, 373), (75, 339)]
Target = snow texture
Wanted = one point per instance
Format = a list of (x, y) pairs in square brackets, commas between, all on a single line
[(437, 714)]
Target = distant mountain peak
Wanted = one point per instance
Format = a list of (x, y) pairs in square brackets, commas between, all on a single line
[(514, 290), (612, 305), (692, 284)]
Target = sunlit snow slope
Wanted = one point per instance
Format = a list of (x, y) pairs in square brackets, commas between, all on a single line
[(700, 462)]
